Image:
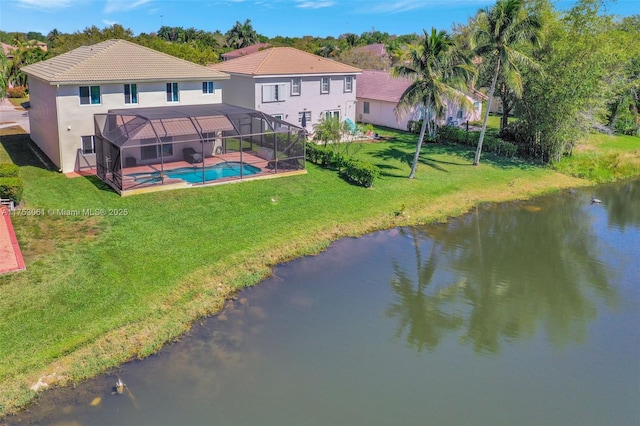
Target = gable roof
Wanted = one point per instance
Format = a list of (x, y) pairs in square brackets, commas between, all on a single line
[(8, 49), (115, 61), (381, 86), (244, 51), (283, 61)]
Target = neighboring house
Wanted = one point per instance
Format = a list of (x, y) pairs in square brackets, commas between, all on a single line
[(291, 84), (68, 90), (379, 92), (244, 51), (8, 50)]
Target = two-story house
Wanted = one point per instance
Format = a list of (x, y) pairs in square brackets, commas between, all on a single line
[(292, 85), (68, 90)]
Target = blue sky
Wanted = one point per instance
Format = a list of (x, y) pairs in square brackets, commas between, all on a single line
[(269, 17)]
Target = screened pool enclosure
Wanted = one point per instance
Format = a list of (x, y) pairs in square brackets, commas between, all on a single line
[(143, 149)]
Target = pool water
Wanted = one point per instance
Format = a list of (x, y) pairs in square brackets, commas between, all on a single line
[(218, 171)]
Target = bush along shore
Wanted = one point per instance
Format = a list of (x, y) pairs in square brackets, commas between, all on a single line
[(103, 289)]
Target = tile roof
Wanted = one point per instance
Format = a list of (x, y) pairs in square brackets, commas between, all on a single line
[(115, 61), (8, 49), (381, 86), (376, 49), (283, 61), (244, 51)]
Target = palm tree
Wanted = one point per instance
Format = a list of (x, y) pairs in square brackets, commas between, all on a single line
[(500, 33), (439, 72), (242, 35)]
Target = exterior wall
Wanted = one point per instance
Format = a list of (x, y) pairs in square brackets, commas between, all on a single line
[(43, 118), (310, 99), (239, 91), (246, 91), (382, 113), (76, 120)]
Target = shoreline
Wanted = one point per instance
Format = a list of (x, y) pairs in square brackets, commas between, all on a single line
[(204, 292)]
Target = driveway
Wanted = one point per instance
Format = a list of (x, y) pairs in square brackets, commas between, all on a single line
[(11, 115)]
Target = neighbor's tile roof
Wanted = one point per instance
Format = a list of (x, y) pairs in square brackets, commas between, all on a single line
[(8, 49), (376, 49), (283, 61), (114, 61), (244, 51), (381, 86)]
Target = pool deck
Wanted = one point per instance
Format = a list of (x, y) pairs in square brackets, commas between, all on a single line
[(10, 255)]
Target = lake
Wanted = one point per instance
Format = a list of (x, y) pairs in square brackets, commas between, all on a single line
[(516, 313)]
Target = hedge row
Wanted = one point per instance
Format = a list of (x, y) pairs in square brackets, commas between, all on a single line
[(355, 171), (9, 170), (11, 187), (490, 144)]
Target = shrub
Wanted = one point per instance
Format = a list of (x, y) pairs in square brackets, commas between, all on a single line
[(414, 126), (9, 170), (16, 92), (11, 187), (360, 172)]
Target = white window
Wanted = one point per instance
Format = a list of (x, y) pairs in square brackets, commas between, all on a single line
[(88, 145), (460, 113), (89, 95), (307, 116), (172, 92), (325, 85), (208, 87), (332, 114), (296, 84), (366, 107), (130, 93), (279, 116), (476, 106), (348, 83), (273, 92)]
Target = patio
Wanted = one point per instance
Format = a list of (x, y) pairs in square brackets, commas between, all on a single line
[(147, 149)]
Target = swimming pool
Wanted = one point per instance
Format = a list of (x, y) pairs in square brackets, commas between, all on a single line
[(194, 174)]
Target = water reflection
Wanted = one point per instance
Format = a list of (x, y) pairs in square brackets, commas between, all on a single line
[(479, 281), (622, 202)]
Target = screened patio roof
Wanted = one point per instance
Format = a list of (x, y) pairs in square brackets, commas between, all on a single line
[(127, 127)]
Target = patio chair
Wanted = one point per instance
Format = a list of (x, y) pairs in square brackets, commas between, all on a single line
[(191, 156)]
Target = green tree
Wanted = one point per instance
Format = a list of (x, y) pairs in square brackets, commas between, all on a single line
[(500, 33), (241, 35), (439, 72), (4, 75), (329, 130)]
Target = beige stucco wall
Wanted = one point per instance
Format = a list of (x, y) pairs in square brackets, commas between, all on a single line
[(76, 120), (239, 91), (43, 118)]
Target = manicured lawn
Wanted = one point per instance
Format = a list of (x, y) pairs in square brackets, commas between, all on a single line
[(101, 289)]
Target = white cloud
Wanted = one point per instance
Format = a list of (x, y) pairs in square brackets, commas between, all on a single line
[(318, 4), (123, 5), (46, 4), (109, 23)]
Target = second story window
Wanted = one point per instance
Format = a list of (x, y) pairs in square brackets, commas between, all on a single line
[(89, 95), (273, 92), (130, 93), (296, 84), (348, 84), (324, 85), (208, 87), (172, 92)]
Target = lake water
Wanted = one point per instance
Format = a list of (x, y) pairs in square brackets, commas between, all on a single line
[(518, 313)]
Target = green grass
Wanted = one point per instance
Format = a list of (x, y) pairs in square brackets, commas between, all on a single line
[(18, 101), (99, 290), (603, 158)]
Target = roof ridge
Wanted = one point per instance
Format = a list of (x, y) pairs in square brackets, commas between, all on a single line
[(266, 56), (88, 57)]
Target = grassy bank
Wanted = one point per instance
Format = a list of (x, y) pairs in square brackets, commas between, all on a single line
[(603, 158), (99, 290)]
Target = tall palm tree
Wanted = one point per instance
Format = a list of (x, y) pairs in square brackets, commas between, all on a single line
[(439, 72), (501, 31), (242, 35)]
